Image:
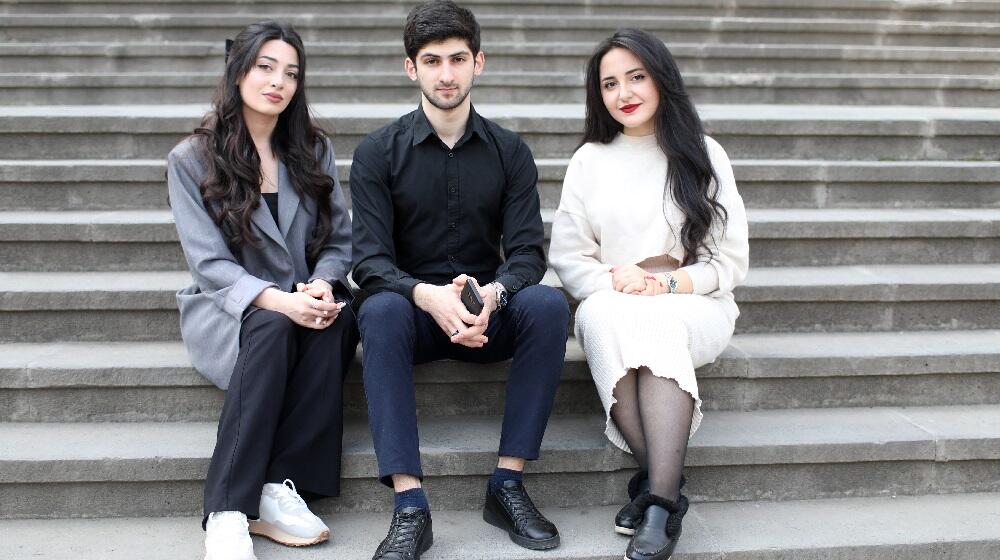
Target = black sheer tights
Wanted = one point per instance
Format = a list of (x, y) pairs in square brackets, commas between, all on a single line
[(653, 414)]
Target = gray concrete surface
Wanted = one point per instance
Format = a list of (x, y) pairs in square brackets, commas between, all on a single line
[(865, 528)]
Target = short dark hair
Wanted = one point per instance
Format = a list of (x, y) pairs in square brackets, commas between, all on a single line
[(439, 20)]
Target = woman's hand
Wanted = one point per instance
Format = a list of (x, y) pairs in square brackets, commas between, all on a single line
[(629, 279), (322, 293), (656, 284), (311, 312), (319, 289), (303, 309)]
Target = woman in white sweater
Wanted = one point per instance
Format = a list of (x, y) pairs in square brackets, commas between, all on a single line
[(651, 236)]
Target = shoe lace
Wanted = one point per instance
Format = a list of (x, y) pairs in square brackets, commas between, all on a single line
[(288, 497), (403, 532), (520, 505)]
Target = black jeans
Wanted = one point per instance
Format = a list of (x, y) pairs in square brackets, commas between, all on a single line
[(283, 414), (396, 335)]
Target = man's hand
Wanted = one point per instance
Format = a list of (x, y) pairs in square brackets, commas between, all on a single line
[(444, 304), (475, 334), (629, 279)]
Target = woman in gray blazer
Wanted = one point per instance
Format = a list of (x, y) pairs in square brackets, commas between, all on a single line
[(266, 234)]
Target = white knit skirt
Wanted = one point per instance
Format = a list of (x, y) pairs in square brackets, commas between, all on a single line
[(671, 334)]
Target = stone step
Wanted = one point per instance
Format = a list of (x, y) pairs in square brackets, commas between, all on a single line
[(142, 240), (313, 27), (746, 131), (107, 56), (893, 10), (849, 529), (110, 184), (131, 306), (516, 87), (108, 469), (154, 381)]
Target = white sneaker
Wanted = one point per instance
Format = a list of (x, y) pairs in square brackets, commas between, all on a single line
[(285, 518), (227, 537)]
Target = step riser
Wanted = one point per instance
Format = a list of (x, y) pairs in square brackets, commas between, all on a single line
[(575, 396), (200, 404), (901, 194), (84, 257), (183, 496), (837, 252), (20, 31), (747, 143), (121, 194), (84, 195), (40, 326), (28, 256), (212, 62), (825, 316), (756, 317), (902, 12), (937, 97)]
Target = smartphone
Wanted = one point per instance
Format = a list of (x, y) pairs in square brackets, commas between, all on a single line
[(471, 298)]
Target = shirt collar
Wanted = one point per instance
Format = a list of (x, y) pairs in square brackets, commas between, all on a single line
[(422, 127)]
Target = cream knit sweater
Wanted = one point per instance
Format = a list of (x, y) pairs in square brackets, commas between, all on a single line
[(613, 212)]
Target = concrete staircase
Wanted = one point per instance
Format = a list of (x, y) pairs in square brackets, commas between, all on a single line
[(856, 413)]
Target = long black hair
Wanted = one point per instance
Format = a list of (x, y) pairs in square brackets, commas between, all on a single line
[(679, 133), (231, 189)]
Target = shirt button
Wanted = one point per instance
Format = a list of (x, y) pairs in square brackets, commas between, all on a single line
[(451, 225), (451, 188), (451, 258), (451, 154)]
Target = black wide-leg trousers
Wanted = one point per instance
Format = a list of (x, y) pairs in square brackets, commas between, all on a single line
[(283, 413)]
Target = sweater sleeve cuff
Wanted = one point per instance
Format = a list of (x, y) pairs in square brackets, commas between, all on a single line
[(603, 282), (243, 292), (704, 277)]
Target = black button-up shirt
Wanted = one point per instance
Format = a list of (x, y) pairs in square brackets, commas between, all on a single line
[(424, 212)]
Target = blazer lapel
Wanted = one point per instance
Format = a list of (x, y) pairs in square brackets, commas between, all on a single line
[(262, 217), (288, 200)]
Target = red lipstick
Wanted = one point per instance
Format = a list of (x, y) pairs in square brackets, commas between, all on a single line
[(630, 108), (273, 97)]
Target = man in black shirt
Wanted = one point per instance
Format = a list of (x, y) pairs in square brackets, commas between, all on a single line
[(439, 196)]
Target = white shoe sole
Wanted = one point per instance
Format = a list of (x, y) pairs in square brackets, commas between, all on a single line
[(624, 531), (210, 557), (269, 531)]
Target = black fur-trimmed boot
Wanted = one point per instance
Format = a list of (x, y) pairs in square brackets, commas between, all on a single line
[(660, 529), (630, 516)]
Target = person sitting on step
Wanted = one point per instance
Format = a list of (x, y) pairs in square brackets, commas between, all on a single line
[(651, 235), (443, 197), (266, 234)]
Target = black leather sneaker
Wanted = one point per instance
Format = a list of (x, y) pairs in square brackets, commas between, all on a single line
[(409, 535), (511, 509)]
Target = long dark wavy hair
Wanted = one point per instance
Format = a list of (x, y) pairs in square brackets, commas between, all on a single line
[(679, 133), (231, 189)]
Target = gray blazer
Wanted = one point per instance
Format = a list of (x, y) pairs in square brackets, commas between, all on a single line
[(213, 307)]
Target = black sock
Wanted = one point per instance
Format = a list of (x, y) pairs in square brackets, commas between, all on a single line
[(503, 475), (414, 497)]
